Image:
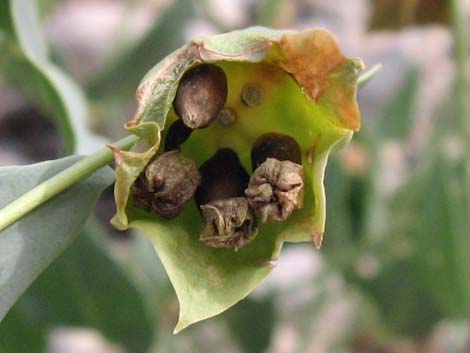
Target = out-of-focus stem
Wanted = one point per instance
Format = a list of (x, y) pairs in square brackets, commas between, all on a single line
[(369, 74), (462, 57)]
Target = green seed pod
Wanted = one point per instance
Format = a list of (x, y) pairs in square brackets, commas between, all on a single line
[(201, 94), (229, 221), (291, 83)]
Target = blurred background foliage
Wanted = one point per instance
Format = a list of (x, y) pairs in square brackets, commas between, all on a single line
[(394, 271)]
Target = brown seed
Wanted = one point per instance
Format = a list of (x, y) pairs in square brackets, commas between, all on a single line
[(229, 221), (227, 117), (166, 184), (201, 94), (275, 145), (276, 187), (140, 196), (252, 94), (177, 134), (222, 176)]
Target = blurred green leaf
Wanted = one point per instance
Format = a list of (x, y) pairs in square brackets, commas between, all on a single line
[(126, 69), (423, 262), (341, 227), (84, 287), (441, 232), (30, 245), (398, 115), (251, 324), (401, 296), (25, 61), (268, 12), (19, 333)]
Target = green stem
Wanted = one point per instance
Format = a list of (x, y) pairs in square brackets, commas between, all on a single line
[(463, 85), (59, 182), (369, 74)]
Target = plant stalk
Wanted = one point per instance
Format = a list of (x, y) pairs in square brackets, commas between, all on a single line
[(369, 74), (462, 57), (60, 182)]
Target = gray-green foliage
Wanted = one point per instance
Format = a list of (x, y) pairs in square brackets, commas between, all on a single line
[(71, 293), (30, 245)]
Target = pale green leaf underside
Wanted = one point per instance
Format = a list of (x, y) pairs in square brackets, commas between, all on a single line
[(30, 245)]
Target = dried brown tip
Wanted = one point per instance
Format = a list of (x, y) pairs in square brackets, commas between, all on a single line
[(201, 94), (274, 145), (228, 223), (166, 184), (276, 189), (177, 134)]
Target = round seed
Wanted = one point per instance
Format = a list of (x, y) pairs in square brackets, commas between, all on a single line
[(275, 145), (222, 176), (201, 94), (227, 117), (252, 94)]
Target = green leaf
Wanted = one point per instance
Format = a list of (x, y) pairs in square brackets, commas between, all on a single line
[(129, 65), (442, 241), (251, 323), (19, 324), (26, 62), (82, 288), (309, 91), (424, 261), (395, 122), (30, 245)]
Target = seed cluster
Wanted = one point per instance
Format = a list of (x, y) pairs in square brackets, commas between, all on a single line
[(229, 200)]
